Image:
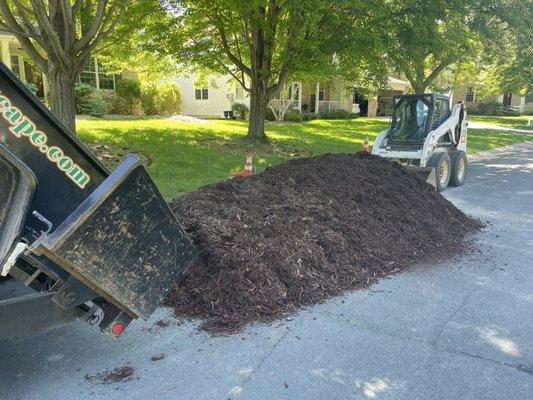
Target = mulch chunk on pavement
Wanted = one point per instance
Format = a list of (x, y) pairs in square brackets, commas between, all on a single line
[(304, 231)]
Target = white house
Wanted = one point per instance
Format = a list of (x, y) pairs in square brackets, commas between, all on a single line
[(210, 99), (467, 93)]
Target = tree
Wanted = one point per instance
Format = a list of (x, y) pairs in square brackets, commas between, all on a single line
[(260, 43), (506, 61), (59, 36), (423, 38), (131, 45)]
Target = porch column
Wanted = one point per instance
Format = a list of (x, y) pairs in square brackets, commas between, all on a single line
[(46, 87), (6, 54), (343, 106), (317, 97), (299, 96)]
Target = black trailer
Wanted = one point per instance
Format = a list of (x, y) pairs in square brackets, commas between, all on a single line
[(92, 244)]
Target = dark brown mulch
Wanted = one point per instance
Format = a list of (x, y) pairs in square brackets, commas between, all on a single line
[(304, 231)]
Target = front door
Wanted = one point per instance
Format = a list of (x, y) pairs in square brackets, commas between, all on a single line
[(507, 97)]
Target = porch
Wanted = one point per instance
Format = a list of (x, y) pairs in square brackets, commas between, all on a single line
[(313, 97)]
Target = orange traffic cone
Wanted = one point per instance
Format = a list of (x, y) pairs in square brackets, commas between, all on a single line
[(248, 167), (365, 145)]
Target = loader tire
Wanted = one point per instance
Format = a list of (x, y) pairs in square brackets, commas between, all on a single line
[(459, 167), (442, 164)]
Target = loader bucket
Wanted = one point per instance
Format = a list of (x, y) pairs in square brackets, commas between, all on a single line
[(427, 174), (123, 242)]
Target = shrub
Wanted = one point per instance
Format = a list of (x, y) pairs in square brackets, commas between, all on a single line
[(115, 104), (493, 108), (269, 116), (31, 86), (82, 93), (129, 90), (310, 116), (240, 110), (148, 95), (337, 114), (293, 116), (95, 107), (161, 99), (168, 99)]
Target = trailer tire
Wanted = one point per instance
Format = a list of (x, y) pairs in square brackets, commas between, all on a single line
[(459, 167), (443, 170)]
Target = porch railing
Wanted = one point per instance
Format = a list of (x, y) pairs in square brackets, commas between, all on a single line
[(329, 105), (286, 104)]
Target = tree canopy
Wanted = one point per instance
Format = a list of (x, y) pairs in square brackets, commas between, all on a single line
[(260, 43)]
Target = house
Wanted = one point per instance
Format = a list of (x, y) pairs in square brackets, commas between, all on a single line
[(467, 93), (209, 98), (14, 57)]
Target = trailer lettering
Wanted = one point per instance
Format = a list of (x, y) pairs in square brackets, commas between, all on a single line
[(12, 114), (78, 175), (65, 164), (22, 126), (54, 154), (38, 139), (4, 103)]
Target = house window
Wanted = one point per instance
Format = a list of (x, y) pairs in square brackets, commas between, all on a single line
[(105, 80), (201, 94), (88, 76), (470, 94), (15, 65), (97, 76), (321, 95)]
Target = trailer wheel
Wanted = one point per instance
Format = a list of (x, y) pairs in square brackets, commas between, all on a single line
[(442, 164), (459, 167)]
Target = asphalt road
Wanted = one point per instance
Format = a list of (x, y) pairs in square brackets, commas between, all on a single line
[(459, 329)]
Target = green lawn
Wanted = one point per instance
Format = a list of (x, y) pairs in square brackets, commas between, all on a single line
[(508, 122), (187, 155)]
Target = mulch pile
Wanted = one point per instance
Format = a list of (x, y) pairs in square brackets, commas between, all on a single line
[(304, 231)]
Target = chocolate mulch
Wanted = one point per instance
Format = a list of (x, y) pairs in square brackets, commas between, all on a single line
[(304, 231)]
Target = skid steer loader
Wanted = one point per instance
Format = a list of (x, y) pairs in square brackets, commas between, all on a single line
[(428, 137), (83, 242)]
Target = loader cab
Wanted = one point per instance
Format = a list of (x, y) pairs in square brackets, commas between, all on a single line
[(414, 116)]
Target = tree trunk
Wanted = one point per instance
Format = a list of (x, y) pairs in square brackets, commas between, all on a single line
[(419, 89), (258, 108), (62, 96)]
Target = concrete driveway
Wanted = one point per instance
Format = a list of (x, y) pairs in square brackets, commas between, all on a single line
[(459, 329)]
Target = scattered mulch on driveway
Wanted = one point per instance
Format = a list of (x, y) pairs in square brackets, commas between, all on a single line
[(119, 374), (304, 231), (112, 155)]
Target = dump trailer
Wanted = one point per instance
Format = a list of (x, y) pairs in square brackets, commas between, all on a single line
[(428, 137), (86, 243)]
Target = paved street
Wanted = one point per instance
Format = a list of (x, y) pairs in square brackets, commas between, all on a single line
[(459, 329)]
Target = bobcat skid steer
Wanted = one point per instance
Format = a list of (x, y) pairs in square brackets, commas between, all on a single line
[(427, 137), (77, 241)]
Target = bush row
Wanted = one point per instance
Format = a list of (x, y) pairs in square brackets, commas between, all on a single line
[(155, 99), (493, 108), (297, 116)]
